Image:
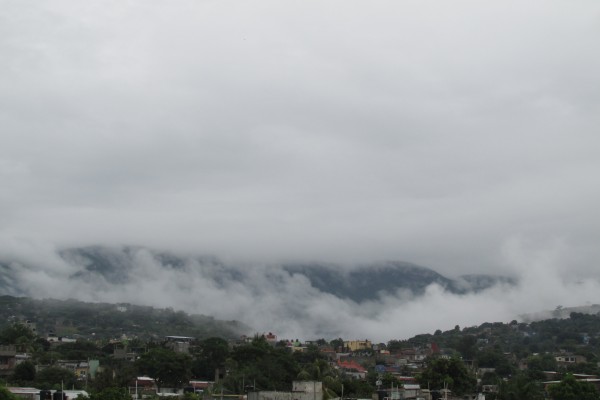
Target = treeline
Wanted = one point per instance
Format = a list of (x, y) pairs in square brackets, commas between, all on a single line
[(104, 321)]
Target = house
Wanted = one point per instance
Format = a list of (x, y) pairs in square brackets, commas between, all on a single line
[(32, 326), (406, 379), (482, 371), (271, 338), (301, 390), (352, 368), (358, 345), (179, 344), (29, 393), (26, 393), (593, 381), (328, 352), (489, 389), (569, 359), (410, 391), (8, 359), (143, 385), (122, 352), (55, 340), (200, 386), (307, 390), (82, 369)]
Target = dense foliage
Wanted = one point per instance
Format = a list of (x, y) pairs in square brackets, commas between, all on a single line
[(6, 395), (102, 320), (449, 373), (571, 389), (165, 366), (513, 357)]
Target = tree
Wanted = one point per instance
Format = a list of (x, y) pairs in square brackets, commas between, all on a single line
[(357, 388), (165, 366), (114, 374), (337, 344), (267, 367), (54, 378), (448, 373), (494, 358), (466, 346), (520, 388), (6, 394), (104, 379), (571, 389), (536, 365), (309, 355), (16, 333), (24, 372), (80, 350), (394, 346), (210, 358)]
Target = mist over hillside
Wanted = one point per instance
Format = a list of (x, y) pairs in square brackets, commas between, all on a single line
[(76, 319), (100, 266), (378, 300)]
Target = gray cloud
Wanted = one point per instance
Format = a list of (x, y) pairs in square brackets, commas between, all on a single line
[(269, 298), (342, 131)]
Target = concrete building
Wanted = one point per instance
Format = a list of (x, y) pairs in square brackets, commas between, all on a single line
[(301, 390), (358, 345), (179, 344)]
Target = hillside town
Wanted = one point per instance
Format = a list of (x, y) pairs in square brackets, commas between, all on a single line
[(537, 360)]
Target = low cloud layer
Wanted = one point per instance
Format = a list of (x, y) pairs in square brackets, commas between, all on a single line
[(268, 298)]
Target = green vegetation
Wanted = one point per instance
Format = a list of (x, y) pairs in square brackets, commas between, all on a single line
[(267, 367), (167, 367), (516, 360), (210, 358), (6, 395), (571, 389), (103, 321), (448, 373)]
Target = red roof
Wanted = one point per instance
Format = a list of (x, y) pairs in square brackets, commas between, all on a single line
[(351, 364), (406, 379), (200, 384), (144, 381)]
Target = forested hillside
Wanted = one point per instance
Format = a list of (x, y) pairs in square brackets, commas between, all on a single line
[(102, 320)]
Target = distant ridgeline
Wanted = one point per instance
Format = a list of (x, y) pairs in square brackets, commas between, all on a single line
[(102, 320), (365, 282), (561, 312)]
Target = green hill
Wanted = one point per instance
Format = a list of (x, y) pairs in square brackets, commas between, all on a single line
[(102, 320)]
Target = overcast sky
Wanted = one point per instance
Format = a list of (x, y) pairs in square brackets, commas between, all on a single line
[(459, 135)]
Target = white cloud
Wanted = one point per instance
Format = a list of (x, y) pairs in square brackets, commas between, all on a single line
[(268, 298)]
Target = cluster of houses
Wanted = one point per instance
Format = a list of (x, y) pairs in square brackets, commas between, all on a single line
[(353, 358)]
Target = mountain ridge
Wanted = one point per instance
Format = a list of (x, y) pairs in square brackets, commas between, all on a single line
[(364, 282)]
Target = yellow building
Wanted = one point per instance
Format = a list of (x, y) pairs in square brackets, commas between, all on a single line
[(357, 345)]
